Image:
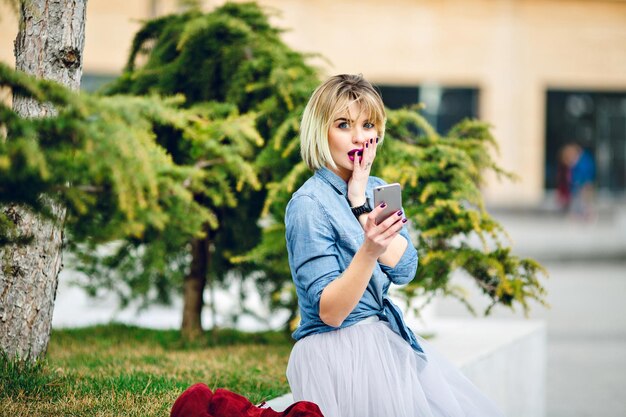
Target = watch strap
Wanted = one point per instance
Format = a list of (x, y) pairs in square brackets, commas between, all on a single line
[(362, 209)]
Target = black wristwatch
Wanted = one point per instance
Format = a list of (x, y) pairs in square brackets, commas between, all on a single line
[(365, 208)]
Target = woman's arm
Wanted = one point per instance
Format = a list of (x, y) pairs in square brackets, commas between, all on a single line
[(342, 295)]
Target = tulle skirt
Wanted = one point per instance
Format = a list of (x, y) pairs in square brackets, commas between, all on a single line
[(367, 370)]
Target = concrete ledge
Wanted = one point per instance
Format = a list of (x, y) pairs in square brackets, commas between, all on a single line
[(506, 359)]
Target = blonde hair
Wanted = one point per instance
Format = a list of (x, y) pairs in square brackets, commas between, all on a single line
[(330, 99)]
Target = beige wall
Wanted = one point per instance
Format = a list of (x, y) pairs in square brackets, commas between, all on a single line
[(8, 30), (512, 50)]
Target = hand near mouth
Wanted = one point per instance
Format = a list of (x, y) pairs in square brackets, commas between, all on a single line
[(362, 159), (355, 152)]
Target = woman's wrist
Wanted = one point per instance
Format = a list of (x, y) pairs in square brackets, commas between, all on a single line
[(356, 196), (357, 201)]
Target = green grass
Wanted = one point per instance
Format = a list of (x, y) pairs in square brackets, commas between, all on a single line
[(118, 370)]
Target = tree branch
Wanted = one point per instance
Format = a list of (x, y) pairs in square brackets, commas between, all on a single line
[(201, 164)]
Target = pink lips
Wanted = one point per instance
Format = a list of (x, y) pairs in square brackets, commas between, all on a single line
[(358, 152)]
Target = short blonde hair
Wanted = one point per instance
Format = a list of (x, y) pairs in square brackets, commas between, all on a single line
[(330, 99)]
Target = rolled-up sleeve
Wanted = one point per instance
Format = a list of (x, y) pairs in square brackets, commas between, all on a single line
[(405, 269), (313, 256)]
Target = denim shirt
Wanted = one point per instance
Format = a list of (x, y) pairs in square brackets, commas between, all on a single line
[(322, 238)]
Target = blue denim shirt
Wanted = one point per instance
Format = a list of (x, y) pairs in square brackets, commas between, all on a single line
[(322, 238)]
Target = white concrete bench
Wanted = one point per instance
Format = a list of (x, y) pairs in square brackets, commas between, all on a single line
[(506, 359)]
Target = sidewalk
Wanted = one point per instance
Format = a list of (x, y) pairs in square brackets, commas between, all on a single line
[(547, 235), (586, 321)]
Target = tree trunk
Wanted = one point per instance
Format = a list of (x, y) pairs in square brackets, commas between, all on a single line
[(193, 289), (49, 45)]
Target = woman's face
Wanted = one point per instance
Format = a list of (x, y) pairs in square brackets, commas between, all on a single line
[(347, 137)]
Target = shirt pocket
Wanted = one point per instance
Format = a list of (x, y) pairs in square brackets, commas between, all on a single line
[(350, 239)]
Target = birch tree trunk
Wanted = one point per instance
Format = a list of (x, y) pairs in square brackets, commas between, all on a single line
[(49, 45)]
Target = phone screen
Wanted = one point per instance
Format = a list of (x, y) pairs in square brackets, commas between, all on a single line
[(391, 195)]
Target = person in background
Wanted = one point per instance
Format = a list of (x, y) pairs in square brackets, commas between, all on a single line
[(354, 354), (566, 159), (583, 175)]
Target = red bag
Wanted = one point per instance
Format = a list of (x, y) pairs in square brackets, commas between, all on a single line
[(199, 401)]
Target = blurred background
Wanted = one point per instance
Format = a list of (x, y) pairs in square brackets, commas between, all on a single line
[(549, 75), (544, 73)]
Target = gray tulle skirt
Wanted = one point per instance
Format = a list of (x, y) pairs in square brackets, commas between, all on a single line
[(367, 370)]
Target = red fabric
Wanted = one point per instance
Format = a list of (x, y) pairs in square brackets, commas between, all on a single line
[(193, 402), (199, 401), (302, 409), (229, 404)]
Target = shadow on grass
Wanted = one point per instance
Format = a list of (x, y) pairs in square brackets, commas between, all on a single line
[(116, 333)]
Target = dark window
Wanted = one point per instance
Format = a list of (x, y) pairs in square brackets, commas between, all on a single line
[(596, 121), (92, 82), (444, 106), (397, 96)]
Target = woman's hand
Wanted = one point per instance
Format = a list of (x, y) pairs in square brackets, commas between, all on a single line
[(379, 237), (341, 295), (361, 172)]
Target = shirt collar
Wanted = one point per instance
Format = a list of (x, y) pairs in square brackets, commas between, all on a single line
[(333, 179)]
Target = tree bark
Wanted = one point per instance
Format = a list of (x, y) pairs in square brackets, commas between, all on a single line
[(49, 45), (193, 289)]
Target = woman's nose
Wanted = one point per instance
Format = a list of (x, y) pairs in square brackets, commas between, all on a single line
[(359, 137)]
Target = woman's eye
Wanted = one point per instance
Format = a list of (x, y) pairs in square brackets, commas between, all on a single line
[(368, 125), (343, 125)]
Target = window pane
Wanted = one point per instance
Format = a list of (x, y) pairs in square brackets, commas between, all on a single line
[(597, 122), (92, 82), (444, 106)]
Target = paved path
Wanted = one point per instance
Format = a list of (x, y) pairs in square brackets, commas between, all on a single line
[(586, 323), (586, 369)]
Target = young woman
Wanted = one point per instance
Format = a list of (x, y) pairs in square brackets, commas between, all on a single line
[(354, 354)]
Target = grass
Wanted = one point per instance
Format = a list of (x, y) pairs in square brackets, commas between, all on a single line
[(118, 370)]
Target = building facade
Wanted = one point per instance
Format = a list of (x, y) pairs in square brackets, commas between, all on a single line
[(543, 73)]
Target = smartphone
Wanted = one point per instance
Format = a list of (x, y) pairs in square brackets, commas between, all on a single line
[(390, 194)]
